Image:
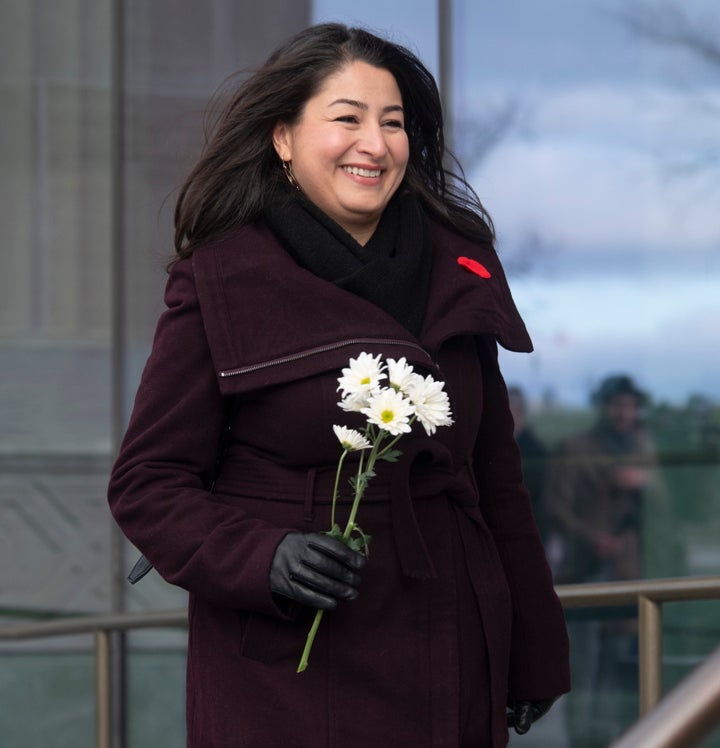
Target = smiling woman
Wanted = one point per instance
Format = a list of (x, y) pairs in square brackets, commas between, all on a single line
[(320, 226), (348, 149)]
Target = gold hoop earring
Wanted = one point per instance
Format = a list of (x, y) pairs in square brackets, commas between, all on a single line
[(287, 168)]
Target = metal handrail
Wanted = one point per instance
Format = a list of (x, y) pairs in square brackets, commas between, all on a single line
[(649, 595), (692, 709), (689, 712), (685, 716), (100, 627), (89, 624)]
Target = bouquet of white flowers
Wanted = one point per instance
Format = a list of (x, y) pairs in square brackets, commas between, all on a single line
[(390, 409)]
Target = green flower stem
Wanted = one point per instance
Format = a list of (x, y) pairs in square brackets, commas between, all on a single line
[(375, 454), (305, 657), (389, 445), (335, 487), (359, 490)]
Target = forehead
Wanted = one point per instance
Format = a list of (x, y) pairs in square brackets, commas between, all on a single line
[(357, 78)]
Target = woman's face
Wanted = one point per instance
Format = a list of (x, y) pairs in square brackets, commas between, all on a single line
[(349, 148)]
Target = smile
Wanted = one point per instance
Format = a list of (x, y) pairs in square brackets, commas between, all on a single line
[(358, 172)]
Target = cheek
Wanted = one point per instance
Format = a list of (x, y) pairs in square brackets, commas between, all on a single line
[(401, 153), (333, 146), (317, 158)]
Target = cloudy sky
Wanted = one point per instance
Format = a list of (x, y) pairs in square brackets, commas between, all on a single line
[(602, 186)]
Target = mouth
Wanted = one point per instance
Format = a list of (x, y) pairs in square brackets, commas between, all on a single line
[(360, 172)]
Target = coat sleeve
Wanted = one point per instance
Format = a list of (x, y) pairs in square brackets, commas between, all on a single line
[(157, 488), (539, 656)]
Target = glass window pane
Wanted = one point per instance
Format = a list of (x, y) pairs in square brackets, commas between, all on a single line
[(590, 136), (54, 306), (54, 355)]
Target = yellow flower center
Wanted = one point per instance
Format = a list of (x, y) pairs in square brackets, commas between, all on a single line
[(365, 380), (387, 416)]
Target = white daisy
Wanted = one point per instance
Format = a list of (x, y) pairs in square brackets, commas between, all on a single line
[(390, 411), (431, 402), (400, 374), (362, 376), (354, 403), (350, 439)]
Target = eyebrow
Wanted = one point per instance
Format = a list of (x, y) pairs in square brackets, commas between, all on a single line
[(362, 105)]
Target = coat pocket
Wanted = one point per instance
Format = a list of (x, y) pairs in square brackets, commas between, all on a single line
[(271, 640)]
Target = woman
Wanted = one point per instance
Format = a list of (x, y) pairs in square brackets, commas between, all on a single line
[(319, 224)]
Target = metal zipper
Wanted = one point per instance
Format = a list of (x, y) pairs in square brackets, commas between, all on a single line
[(319, 349)]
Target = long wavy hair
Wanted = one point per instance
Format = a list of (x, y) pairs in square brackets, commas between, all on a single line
[(239, 169)]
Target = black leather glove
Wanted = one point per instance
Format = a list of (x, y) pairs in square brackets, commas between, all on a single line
[(316, 570), (523, 713)]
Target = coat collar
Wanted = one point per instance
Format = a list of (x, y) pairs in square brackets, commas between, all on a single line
[(262, 312), (469, 294)]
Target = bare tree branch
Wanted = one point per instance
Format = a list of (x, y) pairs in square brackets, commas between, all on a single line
[(670, 24), (480, 136)]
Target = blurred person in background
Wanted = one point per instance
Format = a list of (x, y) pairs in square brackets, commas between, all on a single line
[(534, 455), (600, 484)]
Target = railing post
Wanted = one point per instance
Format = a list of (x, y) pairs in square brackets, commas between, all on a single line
[(103, 698), (650, 652)]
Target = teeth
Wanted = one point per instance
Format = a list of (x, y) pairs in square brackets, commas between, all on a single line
[(362, 172)]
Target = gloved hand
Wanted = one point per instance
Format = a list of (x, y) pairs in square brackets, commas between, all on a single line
[(316, 570), (523, 713)]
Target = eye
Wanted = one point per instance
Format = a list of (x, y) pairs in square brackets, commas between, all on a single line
[(394, 124), (348, 118)]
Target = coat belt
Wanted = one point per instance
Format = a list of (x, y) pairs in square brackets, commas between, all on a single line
[(425, 470), (433, 468)]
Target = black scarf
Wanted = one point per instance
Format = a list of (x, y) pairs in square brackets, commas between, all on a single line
[(392, 270)]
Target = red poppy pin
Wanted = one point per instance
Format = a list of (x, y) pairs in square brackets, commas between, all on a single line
[(473, 266)]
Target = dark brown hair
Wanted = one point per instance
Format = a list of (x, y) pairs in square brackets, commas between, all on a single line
[(239, 169)]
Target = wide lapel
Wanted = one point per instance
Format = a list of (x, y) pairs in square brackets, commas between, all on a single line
[(469, 295), (267, 319)]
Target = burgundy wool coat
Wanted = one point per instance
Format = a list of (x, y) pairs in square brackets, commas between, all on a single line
[(456, 608)]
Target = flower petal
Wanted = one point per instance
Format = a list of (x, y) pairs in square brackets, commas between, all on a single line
[(362, 376), (390, 411), (400, 374), (431, 402), (351, 439)]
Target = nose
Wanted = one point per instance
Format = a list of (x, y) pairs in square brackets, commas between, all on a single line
[(372, 141)]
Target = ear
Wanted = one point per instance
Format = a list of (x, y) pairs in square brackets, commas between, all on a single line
[(282, 141)]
